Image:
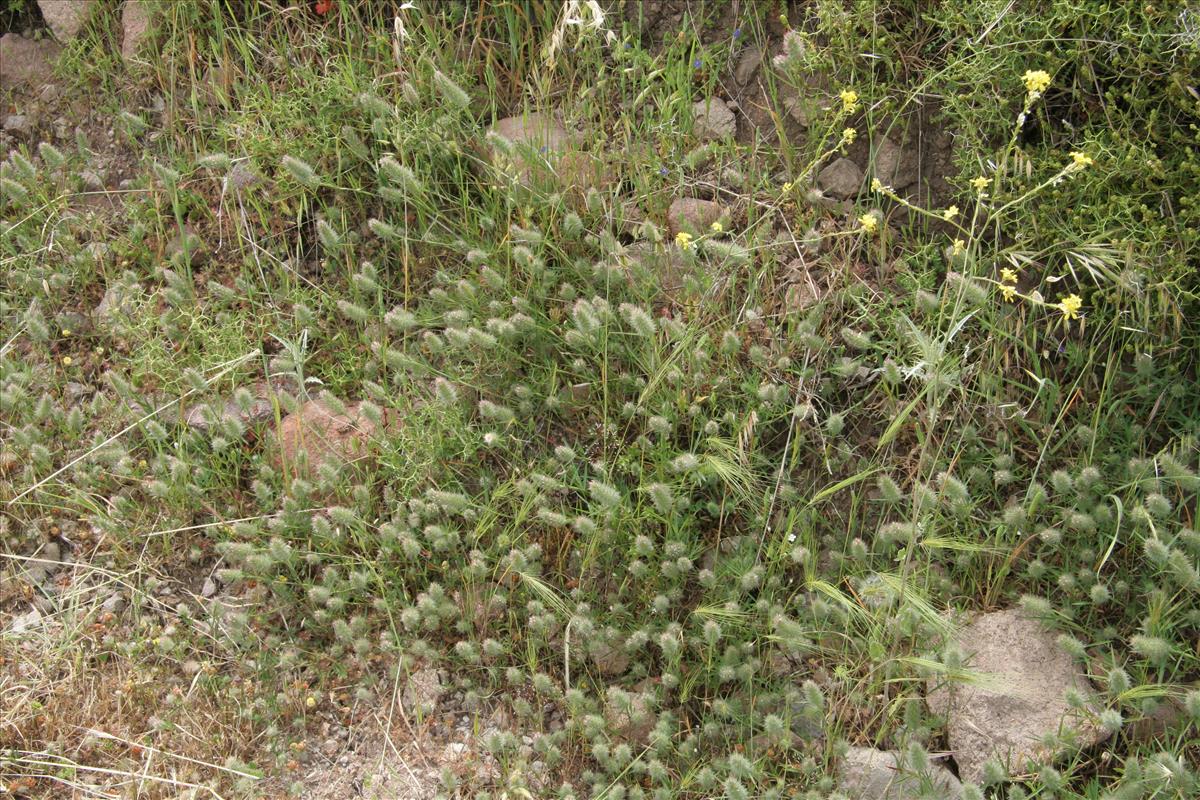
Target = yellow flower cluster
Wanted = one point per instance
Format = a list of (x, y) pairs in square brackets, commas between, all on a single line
[(950, 213), (868, 223), (980, 183), (849, 135), (684, 240), (849, 100), (1079, 161), (1070, 306), (1036, 80), (1008, 284)]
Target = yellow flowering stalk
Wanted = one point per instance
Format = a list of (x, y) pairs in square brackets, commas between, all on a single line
[(849, 100), (684, 240), (877, 185), (1008, 276), (868, 224), (1036, 81), (1008, 292), (980, 183), (950, 213), (849, 135), (716, 227), (787, 187), (1079, 161), (958, 248), (1070, 306)]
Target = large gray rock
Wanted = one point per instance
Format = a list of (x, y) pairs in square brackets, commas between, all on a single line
[(1022, 697), (66, 18), (19, 125), (841, 180), (714, 120), (870, 774)]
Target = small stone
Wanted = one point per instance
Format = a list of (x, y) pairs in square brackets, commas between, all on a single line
[(66, 18), (1023, 699), (422, 692), (187, 247), (747, 65), (841, 180), (870, 774), (27, 621), (74, 392), (135, 22), (50, 93), (693, 216), (893, 166), (714, 120), (610, 660), (19, 125), (628, 716), (454, 751), (209, 588), (114, 603), (92, 181), (119, 301)]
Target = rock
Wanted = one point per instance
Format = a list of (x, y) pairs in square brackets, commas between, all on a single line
[(114, 603), (714, 120), (209, 588), (628, 716), (73, 323), (325, 436), (74, 392), (91, 180), (135, 22), (27, 621), (260, 409), (544, 155), (120, 300), (893, 166), (454, 752), (422, 692), (25, 63), (1157, 721), (19, 125), (66, 17), (186, 246), (50, 93), (870, 774), (1023, 698), (610, 660), (841, 180), (747, 65), (693, 216)]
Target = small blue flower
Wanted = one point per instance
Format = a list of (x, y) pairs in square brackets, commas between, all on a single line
[(697, 64), (663, 171), (544, 149), (737, 33)]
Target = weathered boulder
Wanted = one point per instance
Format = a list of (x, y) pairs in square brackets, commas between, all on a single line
[(1021, 699), (841, 180), (66, 18)]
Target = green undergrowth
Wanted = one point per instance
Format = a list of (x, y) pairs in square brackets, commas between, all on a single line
[(755, 521)]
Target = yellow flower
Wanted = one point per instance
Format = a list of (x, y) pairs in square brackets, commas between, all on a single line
[(950, 213), (849, 135), (787, 187), (1079, 161), (66, 332), (959, 247), (684, 240), (849, 100), (716, 227), (66, 360), (1008, 292), (1036, 80), (980, 183), (868, 223), (877, 185), (1008, 276), (1070, 306), (310, 701)]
